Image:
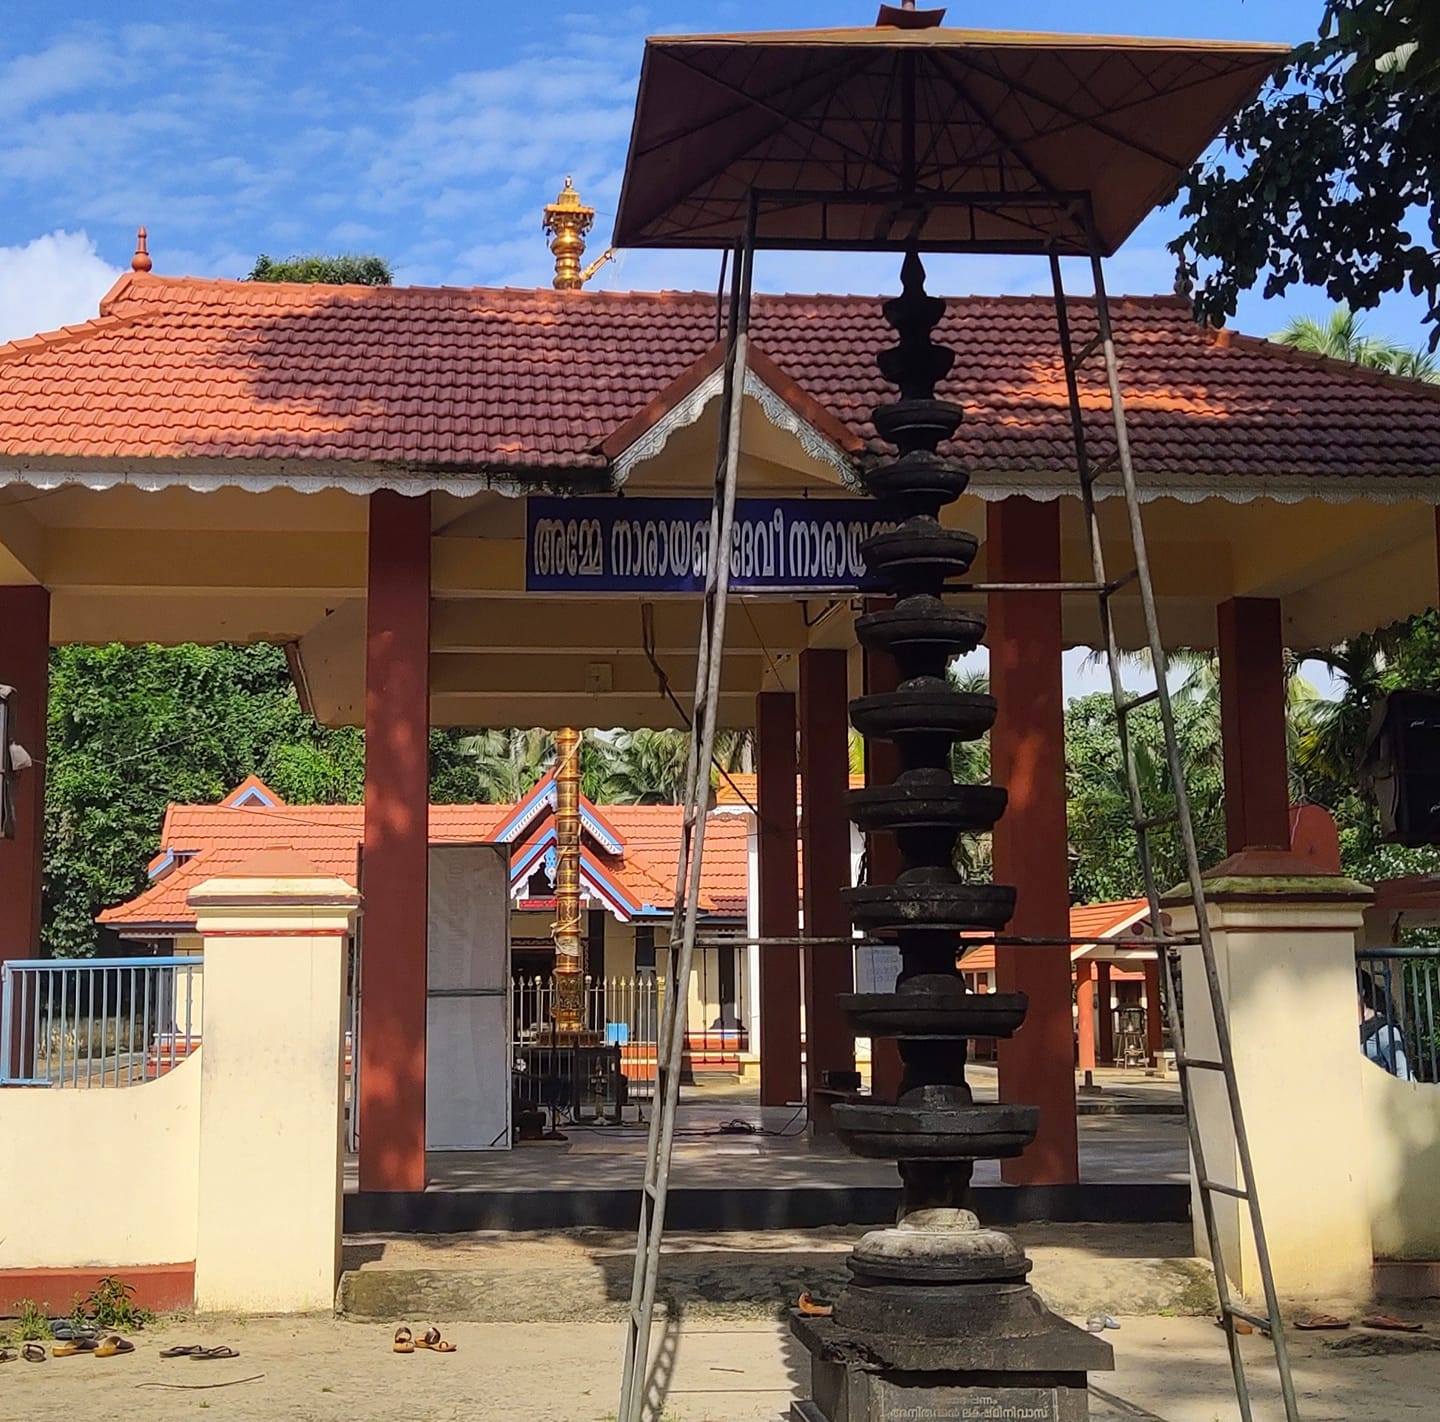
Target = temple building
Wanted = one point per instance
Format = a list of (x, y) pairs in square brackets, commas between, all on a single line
[(477, 507)]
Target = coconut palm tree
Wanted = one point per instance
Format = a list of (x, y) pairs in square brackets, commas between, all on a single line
[(970, 760), (646, 767), (506, 764), (1331, 733), (1341, 336)]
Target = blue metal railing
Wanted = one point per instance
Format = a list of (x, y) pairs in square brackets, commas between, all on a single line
[(97, 1022), (1399, 991)]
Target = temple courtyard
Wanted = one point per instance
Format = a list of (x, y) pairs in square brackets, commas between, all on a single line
[(737, 1164), (709, 1370)]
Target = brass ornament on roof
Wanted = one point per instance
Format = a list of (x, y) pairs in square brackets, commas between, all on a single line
[(567, 223)]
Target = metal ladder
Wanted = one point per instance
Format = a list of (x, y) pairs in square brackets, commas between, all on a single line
[(1147, 821), (649, 1240)]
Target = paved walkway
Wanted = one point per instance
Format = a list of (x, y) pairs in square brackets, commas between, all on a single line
[(323, 1370), (585, 1274), (724, 1137)]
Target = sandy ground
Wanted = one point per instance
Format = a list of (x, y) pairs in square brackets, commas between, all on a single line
[(324, 1370)]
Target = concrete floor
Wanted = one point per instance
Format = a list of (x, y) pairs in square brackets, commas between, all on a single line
[(549, 1276), (780, 1151), (324, 1370)]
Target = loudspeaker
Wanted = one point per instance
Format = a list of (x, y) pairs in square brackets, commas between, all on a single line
[(1401, 766), (7, 764)]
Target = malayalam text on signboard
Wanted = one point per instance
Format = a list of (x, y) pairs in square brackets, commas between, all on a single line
[(662, 545)]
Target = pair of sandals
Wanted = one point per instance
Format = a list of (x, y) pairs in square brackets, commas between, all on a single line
[(199, 1352), (1385, 1322), (111, 1346), (429, 1341), (1317, 1322), (31, 1352)]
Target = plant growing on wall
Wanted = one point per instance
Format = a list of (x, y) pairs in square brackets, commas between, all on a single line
[(110, 1304)]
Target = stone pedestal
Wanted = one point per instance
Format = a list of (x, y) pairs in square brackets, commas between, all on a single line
[(913, 1383)]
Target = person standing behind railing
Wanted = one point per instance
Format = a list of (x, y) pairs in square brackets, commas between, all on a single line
[(1381, 1039)]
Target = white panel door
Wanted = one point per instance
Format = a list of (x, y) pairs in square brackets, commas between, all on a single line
[(467, 1072)]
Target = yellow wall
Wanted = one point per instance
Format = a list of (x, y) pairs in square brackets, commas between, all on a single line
[(268, 1238), (102, 1178), (1402, 1149)]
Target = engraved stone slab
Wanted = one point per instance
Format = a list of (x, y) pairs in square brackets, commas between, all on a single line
[(880, 1400), (968, 1404)]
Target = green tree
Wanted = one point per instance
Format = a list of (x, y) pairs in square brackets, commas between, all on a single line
[(1329, 736), (1329, 178), (1341, 336), (1332, 735), (645, 767), (494, 767), (345, 269), (133, 728), (970, 760), (1106, 861)]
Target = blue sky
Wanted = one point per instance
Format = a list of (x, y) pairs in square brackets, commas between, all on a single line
[(431, 133)]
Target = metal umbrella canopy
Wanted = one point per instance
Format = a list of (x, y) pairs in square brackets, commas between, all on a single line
[(911, 134)]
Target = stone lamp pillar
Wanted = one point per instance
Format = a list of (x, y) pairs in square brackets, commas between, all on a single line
[(938, 1319), (1284, 939)]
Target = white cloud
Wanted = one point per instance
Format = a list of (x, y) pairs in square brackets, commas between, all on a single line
[(69, 66), (55, 280)]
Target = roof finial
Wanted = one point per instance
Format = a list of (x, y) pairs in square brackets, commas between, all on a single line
[(567, 220), (141, 262), (908, 16)]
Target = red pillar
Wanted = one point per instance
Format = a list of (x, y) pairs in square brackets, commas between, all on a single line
[(1105, 1041), (825, 857), (397, 799), (24, 665), (882, 854), (1154, 1018), (1252, 723), (1030, 847), (777, 835), (1085, 1014)]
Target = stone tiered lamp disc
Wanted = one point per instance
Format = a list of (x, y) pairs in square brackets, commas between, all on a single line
[(938, 1311)]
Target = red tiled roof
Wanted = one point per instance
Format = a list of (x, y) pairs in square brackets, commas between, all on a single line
[(441, 379), (1103, 920), (742, 788), (1086, 921), (329, 836)]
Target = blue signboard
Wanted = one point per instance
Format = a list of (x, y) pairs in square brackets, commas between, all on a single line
[(631, 545)]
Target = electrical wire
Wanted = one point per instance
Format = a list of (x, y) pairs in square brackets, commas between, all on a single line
[(662, 679)]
